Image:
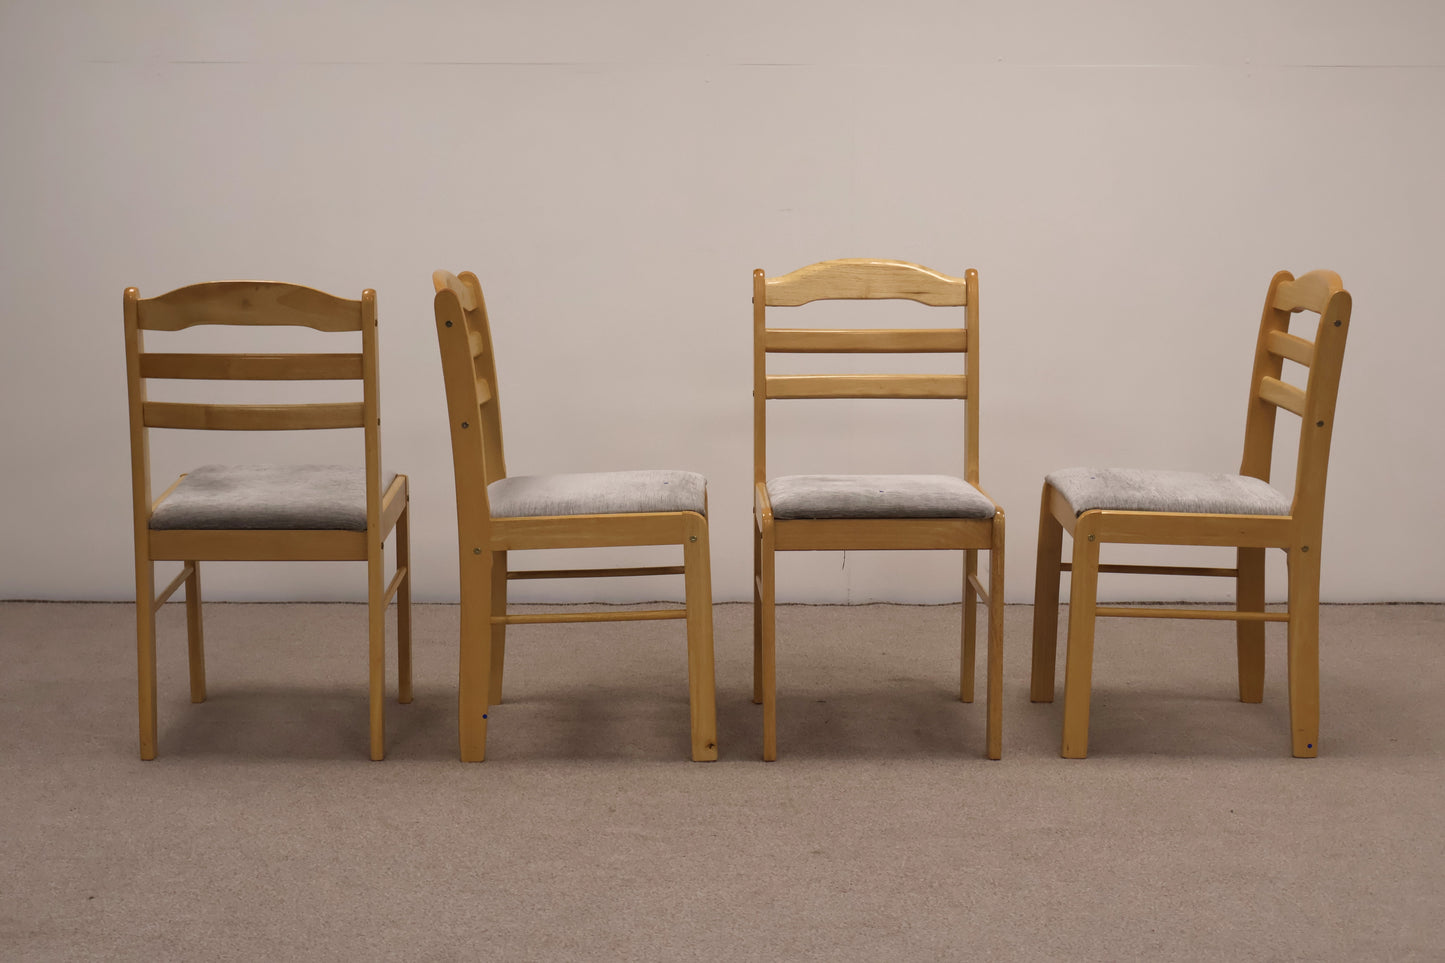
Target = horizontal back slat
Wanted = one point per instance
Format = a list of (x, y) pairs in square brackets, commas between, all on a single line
[(163, 414), (484, 393), (1282, 344), (476, 343), (248, 302), (863, 278), (1309, 292), (865, 341), (867, 386), (1276, 392), (252, 367)]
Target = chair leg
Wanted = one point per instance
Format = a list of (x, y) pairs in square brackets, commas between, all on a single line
[(1079, 662), (1249, 636), (995, 639), (968, 652), (195, 640), (145, 650), (403, 607), (1304, 650), (701, 676), (474, 654), (498, 607), (767, 648), (757, 615), (376, 635), (1046, 603)]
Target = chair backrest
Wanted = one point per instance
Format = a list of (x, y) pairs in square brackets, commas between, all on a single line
[(469, 370), (861, 279), (250, 304), (1322, 294)]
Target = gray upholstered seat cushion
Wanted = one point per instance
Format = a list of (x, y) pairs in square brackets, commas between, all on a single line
[(598, 493), (331, 497), (876, 496), (1153, 490)]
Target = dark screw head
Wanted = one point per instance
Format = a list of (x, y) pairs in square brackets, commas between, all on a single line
[(1304, 548), (1337, 324), (449, 324), (465, 425), (476, 551), (1319, 424)]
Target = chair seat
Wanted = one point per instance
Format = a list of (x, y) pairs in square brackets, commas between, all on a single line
[(1152, 490), (598, 493), (309, 497), (876, 496)]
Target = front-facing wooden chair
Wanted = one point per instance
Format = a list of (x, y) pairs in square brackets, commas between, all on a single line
[(1098, 505), (498, 513), (262, 512), (870, 512)]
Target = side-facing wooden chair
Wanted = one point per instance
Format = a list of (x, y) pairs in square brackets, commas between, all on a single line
[(867, 512), (262, 512), (497, 513), (1098, 505)]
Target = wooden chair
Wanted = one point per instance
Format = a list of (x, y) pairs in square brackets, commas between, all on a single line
[(866, 512), (262, 512), (1192, 508), (498, 513)]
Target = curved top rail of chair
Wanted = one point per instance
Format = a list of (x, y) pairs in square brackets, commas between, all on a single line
[(249, 303), (447, 281), (866, 278), (1309, 292)]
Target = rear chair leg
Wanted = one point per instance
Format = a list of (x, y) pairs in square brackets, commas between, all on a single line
[(145, 635), (1249, 636), (767, 649), (1304, 650), (474, 654), (376, 636)]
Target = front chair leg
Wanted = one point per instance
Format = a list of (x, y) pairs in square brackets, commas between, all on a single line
[(195, 640), (1249, 636), (1046, 602), (1079, 662), (498, 608), (968, 651), (995, 639), (1304, 650), (403, 607), (701, 677)]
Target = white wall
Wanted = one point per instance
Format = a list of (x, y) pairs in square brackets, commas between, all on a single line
[(1125, 176)]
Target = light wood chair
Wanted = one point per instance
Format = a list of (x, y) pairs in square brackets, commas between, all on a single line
[(498, 513), (262, 512), (868, 512), (1190, 508)]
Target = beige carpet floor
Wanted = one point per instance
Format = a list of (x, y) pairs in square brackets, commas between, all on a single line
[(882, 833)]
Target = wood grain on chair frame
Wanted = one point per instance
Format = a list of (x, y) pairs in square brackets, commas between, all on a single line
[(1297, 533), (270, 303), (867, 279)]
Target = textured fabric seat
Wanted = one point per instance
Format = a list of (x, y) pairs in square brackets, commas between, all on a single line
[(310, 497), (598, 493), (876, 496), (1151, 490)]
